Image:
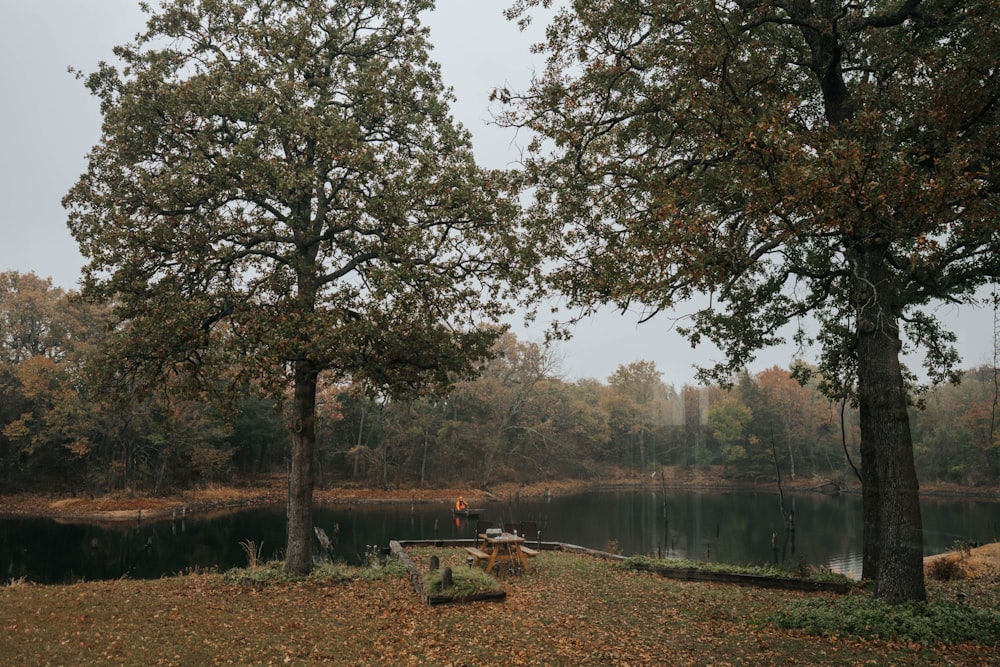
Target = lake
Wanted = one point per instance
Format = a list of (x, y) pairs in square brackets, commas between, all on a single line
[(730, 527)]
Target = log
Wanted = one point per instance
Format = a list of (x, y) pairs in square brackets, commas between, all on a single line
[(761, 581), (489, 596)]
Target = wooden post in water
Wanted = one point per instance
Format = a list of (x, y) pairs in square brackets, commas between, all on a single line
[(666, 519)]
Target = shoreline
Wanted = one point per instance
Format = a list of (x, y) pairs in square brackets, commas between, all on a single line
[(117, 509), (122, 506)]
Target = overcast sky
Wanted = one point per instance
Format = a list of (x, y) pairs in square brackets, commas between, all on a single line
[(48, 122)]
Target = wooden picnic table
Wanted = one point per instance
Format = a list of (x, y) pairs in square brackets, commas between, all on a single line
[(503, 548)]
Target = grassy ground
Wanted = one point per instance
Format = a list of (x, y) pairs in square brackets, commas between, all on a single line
[(568, 610)]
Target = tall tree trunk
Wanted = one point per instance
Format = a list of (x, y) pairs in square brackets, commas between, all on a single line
[(890, 479), (361, 431), (788, 443), (298, 553), (423, 461), (871, 530)]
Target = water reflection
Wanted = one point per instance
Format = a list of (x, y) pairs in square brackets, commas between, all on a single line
[(724, 527)]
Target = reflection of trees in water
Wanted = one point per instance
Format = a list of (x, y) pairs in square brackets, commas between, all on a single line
[(723, 527)]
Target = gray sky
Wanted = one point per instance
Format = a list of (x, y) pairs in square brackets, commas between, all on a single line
[(49, 121)]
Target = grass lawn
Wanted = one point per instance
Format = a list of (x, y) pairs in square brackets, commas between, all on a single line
[(568, 610)]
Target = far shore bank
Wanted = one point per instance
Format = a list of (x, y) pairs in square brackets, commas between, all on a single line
[(271, 490)]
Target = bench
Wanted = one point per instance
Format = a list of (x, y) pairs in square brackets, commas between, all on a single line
[(528, 552), (478, 554)]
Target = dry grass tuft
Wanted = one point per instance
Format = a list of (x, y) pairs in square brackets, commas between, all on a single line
[(252, 550)]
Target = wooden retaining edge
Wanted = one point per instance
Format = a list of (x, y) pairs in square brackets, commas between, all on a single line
[(760, 581), (490, 596), (576, 549), (693, 574), (534, 544), (683, 574)]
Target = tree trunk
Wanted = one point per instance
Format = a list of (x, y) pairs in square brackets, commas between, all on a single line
[(361, 440), (870, 513), (298, 554), (890, 487), (788, 443), (423, 461)]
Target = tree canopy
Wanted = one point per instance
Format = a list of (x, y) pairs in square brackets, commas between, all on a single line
[(281, 183), (835, 160)]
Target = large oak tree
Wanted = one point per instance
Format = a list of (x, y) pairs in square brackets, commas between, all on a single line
[(279, 188), (790, 158)]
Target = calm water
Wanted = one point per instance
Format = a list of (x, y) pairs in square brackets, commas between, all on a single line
[(723, 527)]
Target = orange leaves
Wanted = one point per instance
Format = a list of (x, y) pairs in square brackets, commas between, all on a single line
[(79, 448), (569, 610)]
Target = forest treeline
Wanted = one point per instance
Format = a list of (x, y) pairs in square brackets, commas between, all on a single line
[(519, 421)]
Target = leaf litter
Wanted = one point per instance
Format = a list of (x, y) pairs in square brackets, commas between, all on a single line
[(567, 610)]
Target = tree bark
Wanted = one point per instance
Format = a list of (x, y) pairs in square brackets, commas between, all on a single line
[(298, 552), (893, 534), (870, 502), (891, 489)]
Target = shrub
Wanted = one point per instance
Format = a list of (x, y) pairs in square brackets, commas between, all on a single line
[(865, 616), (323, 572), (945, 569), (262, 573)]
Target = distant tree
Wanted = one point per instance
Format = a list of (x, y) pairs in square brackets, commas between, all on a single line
[(765, 427), (32, 322), (729, 423), (639, 407), (955, 435), (414, 427), (560, 432), (497, 407), (49, 425), (834, 159), (279, 189), (257, 436), (28, 308), (50, 431), (588, 421), (191, 442), (793, 418), (352, 438)]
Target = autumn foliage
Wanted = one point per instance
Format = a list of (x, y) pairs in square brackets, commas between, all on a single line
[(519, 422), (568, 610)]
